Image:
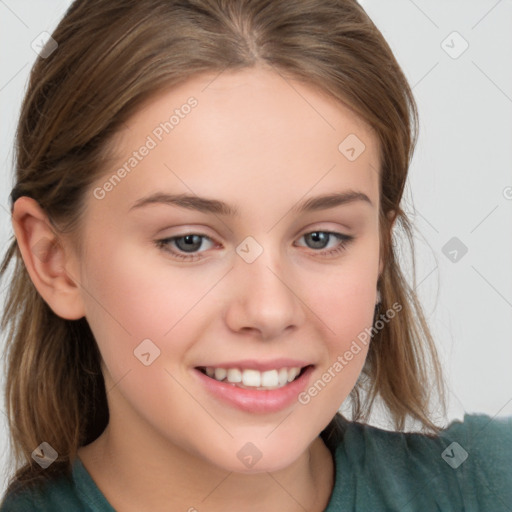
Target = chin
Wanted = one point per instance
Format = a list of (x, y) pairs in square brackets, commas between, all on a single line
[(252, 458)]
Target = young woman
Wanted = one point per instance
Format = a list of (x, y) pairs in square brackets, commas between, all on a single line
[(205, 270)]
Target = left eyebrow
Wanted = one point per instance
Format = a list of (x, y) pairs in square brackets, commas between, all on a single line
[(327, 201), (207, 205)]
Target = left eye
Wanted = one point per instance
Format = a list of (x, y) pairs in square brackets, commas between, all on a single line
[(191, 242)]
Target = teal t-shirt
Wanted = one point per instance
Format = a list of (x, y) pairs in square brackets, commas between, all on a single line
[(467, 468)]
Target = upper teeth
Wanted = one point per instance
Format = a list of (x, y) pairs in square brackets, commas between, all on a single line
[(270, 379)]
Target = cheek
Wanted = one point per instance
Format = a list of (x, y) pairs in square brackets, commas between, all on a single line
[(344, 300), (140, 294), (344, 297), (345, 304), (131, 297)]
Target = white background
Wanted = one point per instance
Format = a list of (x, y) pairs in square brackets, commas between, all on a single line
[(460, 179)]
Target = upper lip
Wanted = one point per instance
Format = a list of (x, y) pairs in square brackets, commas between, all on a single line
[(253, 364)]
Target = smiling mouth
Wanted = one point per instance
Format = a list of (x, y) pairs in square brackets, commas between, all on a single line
[(254, 379)]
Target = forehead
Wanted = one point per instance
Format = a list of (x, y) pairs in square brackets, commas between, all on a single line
[(245, 136)]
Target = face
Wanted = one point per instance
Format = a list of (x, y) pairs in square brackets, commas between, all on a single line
[(263, 283)]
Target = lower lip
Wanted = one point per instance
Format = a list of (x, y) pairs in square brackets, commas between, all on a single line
[(254, 401)]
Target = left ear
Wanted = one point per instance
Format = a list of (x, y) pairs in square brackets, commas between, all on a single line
[(391, 215)]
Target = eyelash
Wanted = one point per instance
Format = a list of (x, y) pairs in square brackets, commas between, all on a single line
[(163, 244)]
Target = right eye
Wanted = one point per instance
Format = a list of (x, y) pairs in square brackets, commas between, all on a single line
[(192, 241)]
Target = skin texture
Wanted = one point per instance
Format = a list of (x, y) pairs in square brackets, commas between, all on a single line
[(262, 143)]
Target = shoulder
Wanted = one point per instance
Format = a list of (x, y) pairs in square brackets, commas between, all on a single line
[(469, 464), (47, 496)]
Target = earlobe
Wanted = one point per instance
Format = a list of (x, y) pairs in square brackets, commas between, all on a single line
[(381, 266), (46, 259)]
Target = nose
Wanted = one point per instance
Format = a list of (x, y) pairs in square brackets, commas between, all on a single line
[(263, 296)]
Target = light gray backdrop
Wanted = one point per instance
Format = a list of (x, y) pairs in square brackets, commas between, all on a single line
[(456, 55)]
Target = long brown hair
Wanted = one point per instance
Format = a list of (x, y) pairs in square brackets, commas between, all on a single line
[(112, 56)]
